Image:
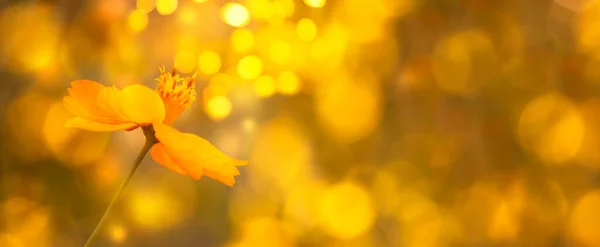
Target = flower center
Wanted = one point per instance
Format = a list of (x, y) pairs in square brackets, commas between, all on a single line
[(177, 93)]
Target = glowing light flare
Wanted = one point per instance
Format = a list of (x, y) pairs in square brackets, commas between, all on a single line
[(187, 16), (329, 49), (25, 128), (223, 80), (250, 67), (588, 25), (588, 155), (230, 140), (414, 207), (384, 189), (249, 125), (288, 145), (150, 209), (264, 86), (280, 52), (88, 149), (280, 10), (514, 41), (110, 10), (10, 240), (280, 47), (246, 204), (235, 14), (301, 205), (30, 224), (145, 5), (123, 55), (137, 20), (209, 62), (319, 50), (254, 232), (48, 76), (549, 212), (242, 40), (477, 207), (32, 44), (160, 208), (260, 9), (245, 99), (427, 233), (218, 107), (454, 65), (106, 173), (117, 233), (446, 153), (366, 21), (496, 204), (339, 105), (166, 7), (505, 223), (185, 61), (288, 83), (315, 3), (200, 1), (346, 210), (75, 148), (584, 222), (184, 41), (55, 134), (401, 8), (421, 221), (366, 240), (306, 29), (219, 85), (552, 128)]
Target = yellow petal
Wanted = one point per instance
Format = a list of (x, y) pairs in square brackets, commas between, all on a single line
[(227, 180), (98, 106), (197, 155), (141, 104), (82, 100), (160, 155), (108, 99), (86, 86), (85, 124)]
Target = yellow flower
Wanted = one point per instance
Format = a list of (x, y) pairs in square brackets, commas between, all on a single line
[(100, 108)]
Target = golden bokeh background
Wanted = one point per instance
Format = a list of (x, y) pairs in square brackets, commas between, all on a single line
[(409, 123)]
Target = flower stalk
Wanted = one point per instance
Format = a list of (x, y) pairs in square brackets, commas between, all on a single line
[(150, 141)]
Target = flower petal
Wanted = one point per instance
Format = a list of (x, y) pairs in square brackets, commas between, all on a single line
[(108, 99), (227, 180), (160, 155), (141, 104), (98, 106), (85, 124), (197, 155), (82, 99)]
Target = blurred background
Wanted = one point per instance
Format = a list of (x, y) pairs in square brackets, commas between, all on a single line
[(366, 122)]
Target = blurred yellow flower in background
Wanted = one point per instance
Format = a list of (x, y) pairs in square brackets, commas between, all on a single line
[(100, 108)]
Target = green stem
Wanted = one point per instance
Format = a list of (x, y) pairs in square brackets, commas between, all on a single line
[(150, 141)]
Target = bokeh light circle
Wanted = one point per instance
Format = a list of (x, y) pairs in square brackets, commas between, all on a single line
[(584, 225), (346, 210), (166, 7), (235, 14), (552, 128)]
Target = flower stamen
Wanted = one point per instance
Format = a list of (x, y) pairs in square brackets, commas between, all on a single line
[(177, 93)]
